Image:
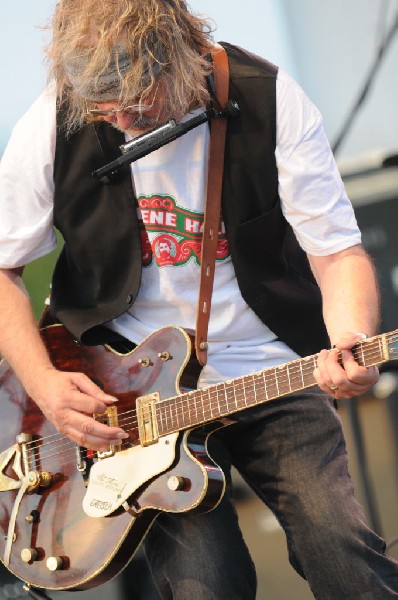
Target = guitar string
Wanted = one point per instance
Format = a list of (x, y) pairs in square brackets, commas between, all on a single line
[(271, 380), (128, 418), (213, 390)]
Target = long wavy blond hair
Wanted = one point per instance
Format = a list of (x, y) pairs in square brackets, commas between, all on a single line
[(160, 36)]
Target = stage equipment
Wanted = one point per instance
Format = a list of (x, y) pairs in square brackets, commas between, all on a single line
[(372, 186)]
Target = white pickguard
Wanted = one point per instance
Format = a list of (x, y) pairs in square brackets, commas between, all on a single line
[(113, 480)]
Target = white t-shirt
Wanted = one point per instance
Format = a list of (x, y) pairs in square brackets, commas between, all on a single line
[(171, 186)]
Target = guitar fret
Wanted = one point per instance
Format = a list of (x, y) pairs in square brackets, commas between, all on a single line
[(380, 342), (276, 383), (265, 385), (186, 411), (284, 381), (288, 378), (301, 373), (242, 392), (272, 386), (173, 416), (191, 407), (210, 403), (218, 400), (257, 388), (202, 405), (248, 391), (177, 416), (236, 389), (308, 378), (205, 405), (223, 399), (227, 400), (160, 417), (230, 399), (362, 355), (196, 410), (245, 390)]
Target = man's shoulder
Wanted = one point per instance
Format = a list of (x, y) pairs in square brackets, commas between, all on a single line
[(244, 63)]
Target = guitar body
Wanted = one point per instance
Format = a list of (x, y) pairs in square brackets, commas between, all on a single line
[(50, 522), (73, 520)]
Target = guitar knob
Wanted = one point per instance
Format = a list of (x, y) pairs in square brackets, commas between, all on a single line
[(38, 479), (55, 563), (33, 517), (175, 483), (145, 362), (29, 555)]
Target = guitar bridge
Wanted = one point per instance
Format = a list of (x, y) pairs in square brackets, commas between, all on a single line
[(146, 415), (25, 466)]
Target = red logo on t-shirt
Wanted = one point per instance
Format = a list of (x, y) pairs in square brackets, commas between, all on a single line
[(171, 235)]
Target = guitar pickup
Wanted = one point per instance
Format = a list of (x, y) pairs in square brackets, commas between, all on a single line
[(110, 418), (146, 415)]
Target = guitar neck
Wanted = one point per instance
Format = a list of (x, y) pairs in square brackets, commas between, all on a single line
[(223, 399)]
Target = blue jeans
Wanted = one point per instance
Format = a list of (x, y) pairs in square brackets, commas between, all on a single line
[(292, 454)]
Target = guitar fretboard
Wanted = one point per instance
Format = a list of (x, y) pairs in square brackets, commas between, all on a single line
[(223, 399)]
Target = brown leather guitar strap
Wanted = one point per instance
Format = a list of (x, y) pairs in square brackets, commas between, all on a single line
[(212, 214)]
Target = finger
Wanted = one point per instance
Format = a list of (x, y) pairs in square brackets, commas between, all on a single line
[(333, 378), (343, 380), (349, 339), (90, 433), (92, 442), (348, 392), (90, 387), (335, 374), (79, 401), (321, 371), (328, 373), (353, 385), (357, 373)]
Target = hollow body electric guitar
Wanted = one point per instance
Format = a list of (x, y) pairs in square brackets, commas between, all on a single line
[(72, 518)]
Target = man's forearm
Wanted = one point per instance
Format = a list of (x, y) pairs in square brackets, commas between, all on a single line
[(66, 399), (349, 290), (20, 341)]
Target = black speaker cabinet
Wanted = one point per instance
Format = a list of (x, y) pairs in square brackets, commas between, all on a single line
[(374, 194)]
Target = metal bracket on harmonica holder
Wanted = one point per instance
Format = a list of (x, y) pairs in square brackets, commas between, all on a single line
[(156, 138)]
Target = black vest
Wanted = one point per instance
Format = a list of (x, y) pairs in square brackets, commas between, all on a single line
[(97, 276)]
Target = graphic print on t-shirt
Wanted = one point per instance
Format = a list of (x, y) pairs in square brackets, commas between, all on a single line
[(172, 235)]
